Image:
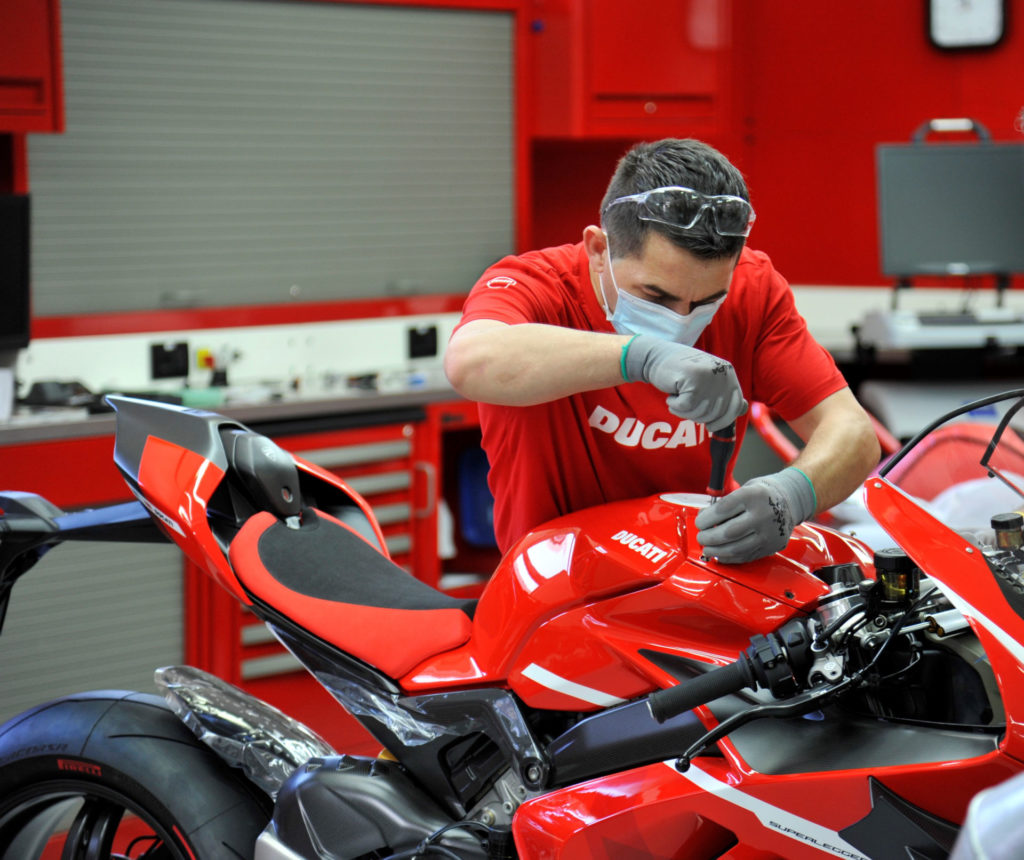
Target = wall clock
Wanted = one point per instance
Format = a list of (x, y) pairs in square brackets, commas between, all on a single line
[(959, 24)]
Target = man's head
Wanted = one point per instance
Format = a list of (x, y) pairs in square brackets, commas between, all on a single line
[(672, 162)]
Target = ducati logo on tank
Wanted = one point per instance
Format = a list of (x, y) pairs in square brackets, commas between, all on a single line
[(640, 545), (631, 432)]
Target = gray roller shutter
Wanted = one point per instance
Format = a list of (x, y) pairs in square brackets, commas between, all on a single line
[(91, 616), (225, 152)]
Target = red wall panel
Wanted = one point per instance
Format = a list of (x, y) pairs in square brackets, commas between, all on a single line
[(71, 473), (820, 91), (816, 87), (31, 90)]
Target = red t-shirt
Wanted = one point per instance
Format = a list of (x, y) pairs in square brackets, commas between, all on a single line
[(622, 442)]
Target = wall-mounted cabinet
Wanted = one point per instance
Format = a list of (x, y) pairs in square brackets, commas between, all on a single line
[(602, 69), (30, 67)]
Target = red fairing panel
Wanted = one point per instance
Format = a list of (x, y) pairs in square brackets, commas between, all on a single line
[(969, 583), (598, 646), (177, 484), (680, 816), (683, 815), (583, 596)]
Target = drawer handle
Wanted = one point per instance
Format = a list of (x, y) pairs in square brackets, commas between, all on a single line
[(430, 472)]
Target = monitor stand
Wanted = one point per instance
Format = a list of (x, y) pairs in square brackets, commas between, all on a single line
[(8, 361), (1002, 285)]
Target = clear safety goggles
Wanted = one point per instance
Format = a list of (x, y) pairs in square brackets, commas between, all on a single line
[(680, 207)]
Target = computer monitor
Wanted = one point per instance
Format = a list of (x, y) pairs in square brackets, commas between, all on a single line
[(14, 271), (951, 209)]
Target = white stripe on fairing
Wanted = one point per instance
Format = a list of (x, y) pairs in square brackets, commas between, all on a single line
[(159, 514), (772, 817), (1005, 639), (540, 675)]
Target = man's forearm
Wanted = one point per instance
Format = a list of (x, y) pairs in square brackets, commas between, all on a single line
[(526, 364), (838, 456)]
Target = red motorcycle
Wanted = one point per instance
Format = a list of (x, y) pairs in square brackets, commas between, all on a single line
[(612, 693)]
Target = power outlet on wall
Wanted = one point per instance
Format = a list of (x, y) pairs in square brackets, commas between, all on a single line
[(423, 341), (168, 360)]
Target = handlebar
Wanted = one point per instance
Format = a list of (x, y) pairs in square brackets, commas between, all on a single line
[(703, 689), (777, 662)]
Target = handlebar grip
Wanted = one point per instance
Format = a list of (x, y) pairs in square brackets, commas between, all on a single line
[(722, 443), (703, 689)]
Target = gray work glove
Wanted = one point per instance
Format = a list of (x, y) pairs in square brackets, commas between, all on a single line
[(758, 518), (699, 386)]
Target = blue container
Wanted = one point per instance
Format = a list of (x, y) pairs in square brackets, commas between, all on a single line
[(476, 504)]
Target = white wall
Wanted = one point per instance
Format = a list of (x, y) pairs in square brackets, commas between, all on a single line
[(319, 356), (831, 311)]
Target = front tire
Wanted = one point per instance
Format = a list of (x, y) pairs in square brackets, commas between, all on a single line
[(111, 774)]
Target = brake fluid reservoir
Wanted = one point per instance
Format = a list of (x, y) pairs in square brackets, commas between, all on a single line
[(897, 575), (1009, 529)]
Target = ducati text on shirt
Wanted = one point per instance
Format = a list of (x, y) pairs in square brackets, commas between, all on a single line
[(631, 431)]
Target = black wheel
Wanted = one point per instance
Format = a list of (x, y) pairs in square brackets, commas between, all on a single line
[(114, 775)]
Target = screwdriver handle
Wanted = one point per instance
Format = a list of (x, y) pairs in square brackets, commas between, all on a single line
[(722, 442)]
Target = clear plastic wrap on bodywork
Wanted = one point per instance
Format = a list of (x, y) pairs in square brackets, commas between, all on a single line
[(248, 733), (413, 725)]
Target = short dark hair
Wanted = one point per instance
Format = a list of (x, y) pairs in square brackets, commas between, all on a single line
[(673, 161)]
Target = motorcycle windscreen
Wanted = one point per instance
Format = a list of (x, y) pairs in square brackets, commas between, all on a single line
[(968, 470)]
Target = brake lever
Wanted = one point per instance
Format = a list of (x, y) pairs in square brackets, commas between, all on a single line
[(792, 707)]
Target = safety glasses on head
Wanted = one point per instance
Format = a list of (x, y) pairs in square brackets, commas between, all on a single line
[(680, 207)]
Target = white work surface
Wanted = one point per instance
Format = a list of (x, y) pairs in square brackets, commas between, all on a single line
[(905, 408)]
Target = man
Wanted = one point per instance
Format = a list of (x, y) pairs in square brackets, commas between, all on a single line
[(571, 352)]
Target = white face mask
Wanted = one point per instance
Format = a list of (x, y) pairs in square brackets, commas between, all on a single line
[(637, 316)]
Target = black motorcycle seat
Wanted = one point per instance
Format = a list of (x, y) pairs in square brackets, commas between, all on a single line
[(328, 579)]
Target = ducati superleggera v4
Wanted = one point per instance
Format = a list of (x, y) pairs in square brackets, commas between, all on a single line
[(612, 692)]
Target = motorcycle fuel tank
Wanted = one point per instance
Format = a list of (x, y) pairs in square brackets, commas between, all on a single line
[(620, 592)]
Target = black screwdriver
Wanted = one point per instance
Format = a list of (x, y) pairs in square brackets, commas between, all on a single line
[(722, 443)]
